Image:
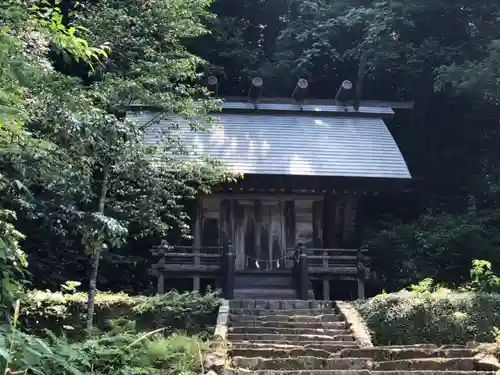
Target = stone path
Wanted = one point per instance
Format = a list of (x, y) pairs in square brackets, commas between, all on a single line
[(313, 338)]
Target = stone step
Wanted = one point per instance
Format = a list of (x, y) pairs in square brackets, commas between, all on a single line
[(331, 347), (273, 337), (423, 346), (349, 372), (280, 304), (286, 318), (391, 353), (301, 363), (289, 331), (245, 281), (427, 364), (266, 294), (308, 324), (290, 312), (295, 351)]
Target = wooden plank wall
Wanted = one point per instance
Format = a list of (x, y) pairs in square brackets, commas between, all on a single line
[(318, 240), (304, 222), (340, 220), (350, 213)]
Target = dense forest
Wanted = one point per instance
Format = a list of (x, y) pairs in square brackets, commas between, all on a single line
[(81, 199)]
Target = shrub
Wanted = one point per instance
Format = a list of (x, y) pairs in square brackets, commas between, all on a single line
[(127, 353), (118, 353), (438, 246), (440, 316), (482, 278), (121, 351), (189, 312)]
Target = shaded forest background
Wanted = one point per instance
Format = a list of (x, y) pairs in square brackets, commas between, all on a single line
[(442, 54)]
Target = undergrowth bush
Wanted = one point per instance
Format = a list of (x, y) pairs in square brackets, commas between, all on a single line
[(115, 353), (65, 312), (441, 317), (429, 313)]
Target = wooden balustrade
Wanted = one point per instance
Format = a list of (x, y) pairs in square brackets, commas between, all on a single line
[(342, 262), (180, 258), (334, 261), (324, 264)]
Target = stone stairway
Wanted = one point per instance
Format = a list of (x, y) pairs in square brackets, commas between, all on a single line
[(265, 286), (269, 337)]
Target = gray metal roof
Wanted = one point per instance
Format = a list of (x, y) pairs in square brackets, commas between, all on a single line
[(293, 144)]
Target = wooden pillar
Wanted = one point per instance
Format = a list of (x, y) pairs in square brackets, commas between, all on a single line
[(359, 222), (258, 234), (303, 292), (196, 255), (326, 289), (238, 220), (290, 224), (228, 271), (361, 274), (318, 224), (160, 282), (225, 222), (348, 238), (330, 221), (361, 289), (197, 227), (196, 283), (358, 242), (289, 219)]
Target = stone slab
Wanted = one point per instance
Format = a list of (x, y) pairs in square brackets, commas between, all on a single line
[(314, 324), (286, 318), (332, 347), (301, 363), (289, 331), (273, 304), (289, 312), (389, 353), (280, 337), (428, 364)]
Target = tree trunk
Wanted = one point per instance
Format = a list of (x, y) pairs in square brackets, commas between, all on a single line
[(92, 288), (96, 254)]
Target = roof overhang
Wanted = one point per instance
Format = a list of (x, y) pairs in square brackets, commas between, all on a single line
[(312, 141)]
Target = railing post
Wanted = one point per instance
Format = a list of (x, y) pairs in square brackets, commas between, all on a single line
[(303, 273), (361, 274), (295, 270), (160, 285), (228, 271)]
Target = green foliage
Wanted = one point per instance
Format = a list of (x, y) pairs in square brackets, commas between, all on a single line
[(430, 313), (424, 286), (439, 246), (480, 77), (496, 334), (64, 312), (125, 353), (48, 16), (86, 176), (12, 261), (120, 352), (482, 278), (442, 316)]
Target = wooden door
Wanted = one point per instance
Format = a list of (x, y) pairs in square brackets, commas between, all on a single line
[(272, 234), (259, 234)]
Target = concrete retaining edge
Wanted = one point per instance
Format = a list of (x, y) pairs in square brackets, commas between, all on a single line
[(356, 322), (216, 359)]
